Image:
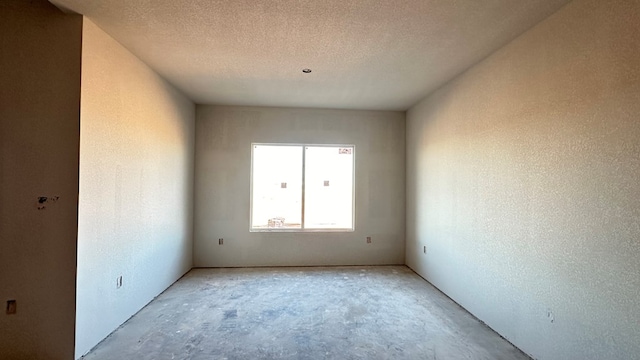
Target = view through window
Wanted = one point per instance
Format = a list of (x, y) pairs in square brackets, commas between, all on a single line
[(302, 187)]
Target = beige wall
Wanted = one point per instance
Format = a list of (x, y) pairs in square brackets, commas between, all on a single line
[(39, 133), (523, 184), (223, 162), (136, 186)]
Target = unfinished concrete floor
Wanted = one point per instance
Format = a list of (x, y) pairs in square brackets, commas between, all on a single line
[(364, 312)]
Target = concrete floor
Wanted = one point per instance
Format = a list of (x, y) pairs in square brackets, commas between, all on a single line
[(363, 312)]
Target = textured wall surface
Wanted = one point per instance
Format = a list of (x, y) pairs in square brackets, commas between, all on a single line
[(523, 184), (222, 190), (40, 51), (136, 186)]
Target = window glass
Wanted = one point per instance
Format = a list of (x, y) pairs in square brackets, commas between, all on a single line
[(277, 187), (328, 187), (301, 187)]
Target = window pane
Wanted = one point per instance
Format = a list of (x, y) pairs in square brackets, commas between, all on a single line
[(277, 187), (328, 187)]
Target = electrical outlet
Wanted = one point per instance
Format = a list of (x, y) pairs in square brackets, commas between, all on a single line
[(368, 239), (11, 307), (119, 282), (220, 241)]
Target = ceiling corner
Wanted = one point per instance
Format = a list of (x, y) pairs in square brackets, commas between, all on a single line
[(62, 8)]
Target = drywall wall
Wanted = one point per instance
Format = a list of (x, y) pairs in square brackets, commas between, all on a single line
[(223, 164), (522, 183), (40, 51), (136, 187)]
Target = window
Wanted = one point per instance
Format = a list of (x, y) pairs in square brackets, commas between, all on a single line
[(302, 187)]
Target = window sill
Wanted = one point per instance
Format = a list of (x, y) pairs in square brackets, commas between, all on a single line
[(301, 230)]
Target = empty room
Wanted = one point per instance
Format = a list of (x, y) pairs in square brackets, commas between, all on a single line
[(299, 179)]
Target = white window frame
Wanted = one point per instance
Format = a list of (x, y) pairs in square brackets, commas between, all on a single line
[(303, 229)]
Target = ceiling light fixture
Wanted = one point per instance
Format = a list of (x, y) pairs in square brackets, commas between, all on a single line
[(306, 71)]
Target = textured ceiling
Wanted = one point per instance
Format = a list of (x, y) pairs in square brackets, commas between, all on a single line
[(365, 54)]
